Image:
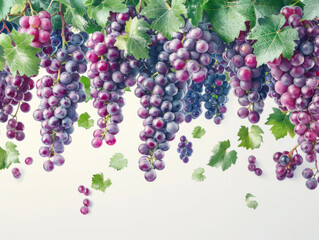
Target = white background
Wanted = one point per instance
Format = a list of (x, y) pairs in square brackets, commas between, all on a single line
[(44, 205)]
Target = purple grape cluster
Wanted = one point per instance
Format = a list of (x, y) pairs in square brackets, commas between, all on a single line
[(184, 149), (286, 164), (14, 91), (110, 72), (60, 92), (252, 166), (247, 80)]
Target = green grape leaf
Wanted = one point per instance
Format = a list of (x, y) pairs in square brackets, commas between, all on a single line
[(56, 22), (71, 16), (118, 161), (198, 175), (87, 85), (2, 59), (136, 39), (195, 10), (3, 158), (127, 89), (250, 139), (222, 158), (5, 6), (166, 19), (311, 9), (135, 3), (198, 132), (20, 57), (92, 27), (250, 202), (18, 8), (9, 156), (85, 121), (228, 18), (100, 12), (98, 182), (280, 123), (272, 41), (265, 8), (40, 5)]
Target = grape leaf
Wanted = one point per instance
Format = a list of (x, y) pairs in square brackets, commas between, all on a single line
[(3, 158), (85, 121), (98, 182), (118, 161), (265, 8), (9, 156), (136, 39), (250, 139), (87, 85), (20, 57), (221, 157), (92, 27), (251, 203), (135, 3), (195, 10), (272, 41), (5, 6), (101, 12), (166, 19), (2, 60), (198, 174), (228, 18), (198, 132), (39, 5), (71, 16), (18, 8), (311, 9), (127, 89), (281, 124)]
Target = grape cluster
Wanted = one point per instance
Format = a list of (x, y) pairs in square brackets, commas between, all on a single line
[(287, 162), (70, 37), (193, 101), (252, 166), (14, 91), (60, 92), (312, 181), (185, 149), (295, 87), (110, 72), (248, 80), (215, 97), (39, 26)]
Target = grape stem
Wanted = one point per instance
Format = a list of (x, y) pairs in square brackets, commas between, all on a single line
[(16, 113), (31, 8), (292, 150), (50, 5), (5, 26), (140, 6), (23, 11), (106, 121), (63, 25)]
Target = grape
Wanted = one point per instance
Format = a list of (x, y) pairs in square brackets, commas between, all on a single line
[(28, 161), (185, 149), (84, 210)]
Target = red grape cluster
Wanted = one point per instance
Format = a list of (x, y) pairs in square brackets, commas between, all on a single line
[(39, 26), (248, 80), (110, 72)]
